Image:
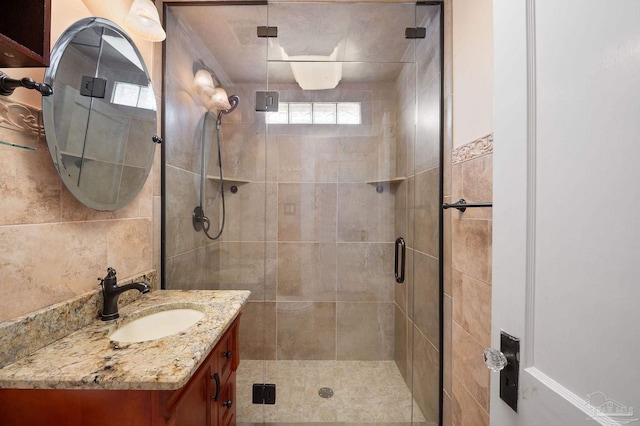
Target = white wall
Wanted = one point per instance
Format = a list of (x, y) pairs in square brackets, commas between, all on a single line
[(472, 70)]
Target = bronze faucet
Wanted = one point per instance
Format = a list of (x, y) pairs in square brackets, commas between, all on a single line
[(111, 292)]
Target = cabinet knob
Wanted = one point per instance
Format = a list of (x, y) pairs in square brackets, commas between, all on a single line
[(227, 354), (228, 403)]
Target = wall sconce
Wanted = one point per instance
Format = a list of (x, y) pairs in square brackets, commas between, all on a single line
[(143, 20), (203, 82), (212, 97)]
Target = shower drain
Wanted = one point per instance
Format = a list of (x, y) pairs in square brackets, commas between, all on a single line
[(325, 392)]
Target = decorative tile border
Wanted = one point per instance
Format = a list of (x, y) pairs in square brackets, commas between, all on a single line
[(20, 117), (471, 150)]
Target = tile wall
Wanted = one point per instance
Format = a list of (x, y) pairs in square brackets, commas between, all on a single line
[(467, 299), (52, 247), (310, 239), (307, 235), (303, 232)]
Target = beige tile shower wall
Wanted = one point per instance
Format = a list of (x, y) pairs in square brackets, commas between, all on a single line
[(52, 248), (191, 260), (325, 250), (468, 298)]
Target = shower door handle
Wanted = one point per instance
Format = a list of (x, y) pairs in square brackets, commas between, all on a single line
[(398, 265)]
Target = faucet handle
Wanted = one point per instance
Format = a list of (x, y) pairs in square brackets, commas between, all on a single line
[(111, 276)]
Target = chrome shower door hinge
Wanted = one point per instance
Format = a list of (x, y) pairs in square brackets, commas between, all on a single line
[(418, 32), (94, 87), (267, 101), (268, 32)]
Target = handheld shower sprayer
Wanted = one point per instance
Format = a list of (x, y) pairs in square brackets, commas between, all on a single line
[(234, 100), (200, 221)]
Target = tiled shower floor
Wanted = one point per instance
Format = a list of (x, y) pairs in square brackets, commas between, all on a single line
[(365, 393)]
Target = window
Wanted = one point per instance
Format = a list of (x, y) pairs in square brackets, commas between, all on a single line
[(349, 113), (316, 113), (300, 113), (133, 95), (324, 113)]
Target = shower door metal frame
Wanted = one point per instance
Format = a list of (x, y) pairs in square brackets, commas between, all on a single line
[(442, 124)]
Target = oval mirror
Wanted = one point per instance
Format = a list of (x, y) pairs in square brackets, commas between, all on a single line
[(101, 119)]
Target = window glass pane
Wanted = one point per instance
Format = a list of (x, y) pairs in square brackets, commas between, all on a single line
[(300, 113), (324, 113), (349, 113), (281, 116), (125, 94), (147, 98)]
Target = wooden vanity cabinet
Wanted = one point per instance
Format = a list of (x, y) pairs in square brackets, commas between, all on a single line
[(209, 398), (192, 405), (25, 28)]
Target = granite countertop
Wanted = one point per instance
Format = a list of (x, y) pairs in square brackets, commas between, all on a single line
[(88, 359)]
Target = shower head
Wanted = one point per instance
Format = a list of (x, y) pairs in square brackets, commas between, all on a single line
[(233, 102)]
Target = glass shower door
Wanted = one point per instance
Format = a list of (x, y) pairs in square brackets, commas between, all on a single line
[(341, 154), (316, 193)]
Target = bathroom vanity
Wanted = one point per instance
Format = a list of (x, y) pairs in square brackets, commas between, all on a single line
[(85, 378)]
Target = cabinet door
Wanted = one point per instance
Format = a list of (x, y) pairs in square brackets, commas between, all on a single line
[(193, 409), (225, 359), (25, 33), (226, 354), (227, 404)]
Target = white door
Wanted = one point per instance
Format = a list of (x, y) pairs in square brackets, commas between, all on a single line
[(566, 254)]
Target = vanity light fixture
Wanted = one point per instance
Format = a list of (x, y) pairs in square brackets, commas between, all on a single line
[(212, 97), (143, 21), (203, 81), (220, 100)]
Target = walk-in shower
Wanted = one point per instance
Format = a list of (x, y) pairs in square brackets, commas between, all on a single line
[(224, 105), (342, 159)]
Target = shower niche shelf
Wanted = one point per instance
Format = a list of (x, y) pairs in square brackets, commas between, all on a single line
[(397, 179), (380, 184), (229, 179)]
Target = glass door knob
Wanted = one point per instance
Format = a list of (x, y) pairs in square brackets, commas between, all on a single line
[(494, 359)]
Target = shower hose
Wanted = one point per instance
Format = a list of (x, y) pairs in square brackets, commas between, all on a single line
[(206, 224)]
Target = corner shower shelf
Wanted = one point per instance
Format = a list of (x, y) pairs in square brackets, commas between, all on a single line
[(397, 179), (229, 179)]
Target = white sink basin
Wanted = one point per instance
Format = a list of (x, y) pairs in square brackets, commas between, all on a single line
[(157, 325)]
